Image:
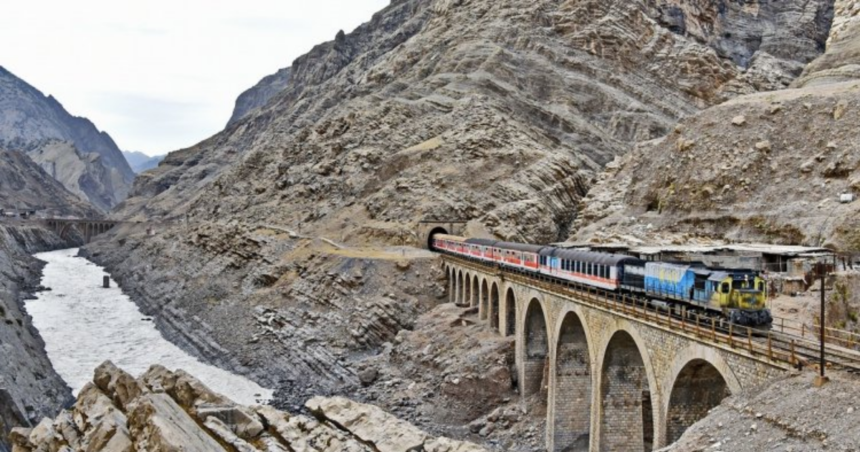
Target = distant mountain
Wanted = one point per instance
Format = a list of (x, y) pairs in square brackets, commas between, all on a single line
[(24, 185), (260, 94), (141, 162), (30, 120)]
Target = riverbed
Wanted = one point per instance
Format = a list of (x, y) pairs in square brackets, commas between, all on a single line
[(84, 324)]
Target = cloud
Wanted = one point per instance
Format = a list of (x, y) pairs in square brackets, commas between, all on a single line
[(162, 75)]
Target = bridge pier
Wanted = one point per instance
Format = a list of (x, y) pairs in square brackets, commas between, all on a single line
[(605, 379)]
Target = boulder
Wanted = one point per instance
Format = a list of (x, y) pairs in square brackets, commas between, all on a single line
[(368, 423), (159, 423)]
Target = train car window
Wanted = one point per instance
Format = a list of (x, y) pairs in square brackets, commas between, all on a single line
[(761, 286), (724, 287)]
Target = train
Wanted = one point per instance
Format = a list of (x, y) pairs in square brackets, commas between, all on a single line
[(737, 295)]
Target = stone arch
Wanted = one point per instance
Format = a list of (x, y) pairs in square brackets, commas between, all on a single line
[(485, 297), (494, 307), (475, 292), (510, 313), (627, 414), (573, 391), (536, 359), (697, 385), (467, 291), (433, 232)]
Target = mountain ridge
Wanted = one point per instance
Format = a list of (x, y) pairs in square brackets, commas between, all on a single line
[(29, 117)]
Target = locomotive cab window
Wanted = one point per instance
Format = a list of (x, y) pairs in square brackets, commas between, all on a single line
[(724, 287)]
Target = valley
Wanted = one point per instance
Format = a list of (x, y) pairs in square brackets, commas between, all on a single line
[(287, 254)]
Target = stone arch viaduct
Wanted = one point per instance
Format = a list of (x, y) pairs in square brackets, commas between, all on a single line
[(606, 375), (87, 229)]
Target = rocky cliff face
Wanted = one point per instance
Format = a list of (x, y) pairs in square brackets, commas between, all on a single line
[(26, 186), (29, 120), (495, 112), (84, 174), (29, 387), (769, 166), (172, 411), (260, 94)]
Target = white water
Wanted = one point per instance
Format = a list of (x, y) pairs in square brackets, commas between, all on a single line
[(84, 324)]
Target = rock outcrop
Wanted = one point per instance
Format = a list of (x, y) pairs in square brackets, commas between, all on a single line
[(84, 174), (260, 94), (33, 122), (30, 389), (787, 414), (768, 167), (26, 186), (173, 411)]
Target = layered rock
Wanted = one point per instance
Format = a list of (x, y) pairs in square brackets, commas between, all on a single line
[(29, 120), (25, 186), (768, 167), (427, 111), (84, 174), (288, 312), (173, 411), (260, 94), (29, 387)]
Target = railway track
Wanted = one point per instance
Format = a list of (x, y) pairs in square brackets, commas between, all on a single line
[(775, 347)]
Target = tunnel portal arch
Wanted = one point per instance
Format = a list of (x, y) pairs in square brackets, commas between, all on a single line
[(434, 231)]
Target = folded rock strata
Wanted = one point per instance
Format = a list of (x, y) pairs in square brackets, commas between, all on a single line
[(169, 411)]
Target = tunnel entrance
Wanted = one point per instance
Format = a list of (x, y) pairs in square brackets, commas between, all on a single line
[(433, 232)]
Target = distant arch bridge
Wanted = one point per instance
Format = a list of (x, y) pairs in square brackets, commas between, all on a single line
[(87, 229)]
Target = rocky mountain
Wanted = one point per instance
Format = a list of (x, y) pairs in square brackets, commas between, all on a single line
[(25, 185), (428, 111), (767, 167), (173, 411), (29, 121), (141, 162), (260, 94)]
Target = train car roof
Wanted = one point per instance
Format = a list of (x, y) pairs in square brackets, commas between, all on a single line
[(589, 256), (520, 247), (449, 237), (482, 242)]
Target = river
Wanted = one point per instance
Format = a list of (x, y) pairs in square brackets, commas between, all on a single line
[(84, 324)]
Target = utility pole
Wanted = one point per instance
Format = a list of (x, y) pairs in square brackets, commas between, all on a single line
[(821, 379)]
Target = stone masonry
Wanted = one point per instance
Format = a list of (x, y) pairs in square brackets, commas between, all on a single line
[(606, 380)]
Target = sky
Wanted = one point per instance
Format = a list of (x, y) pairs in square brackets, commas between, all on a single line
[(161, 75)]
